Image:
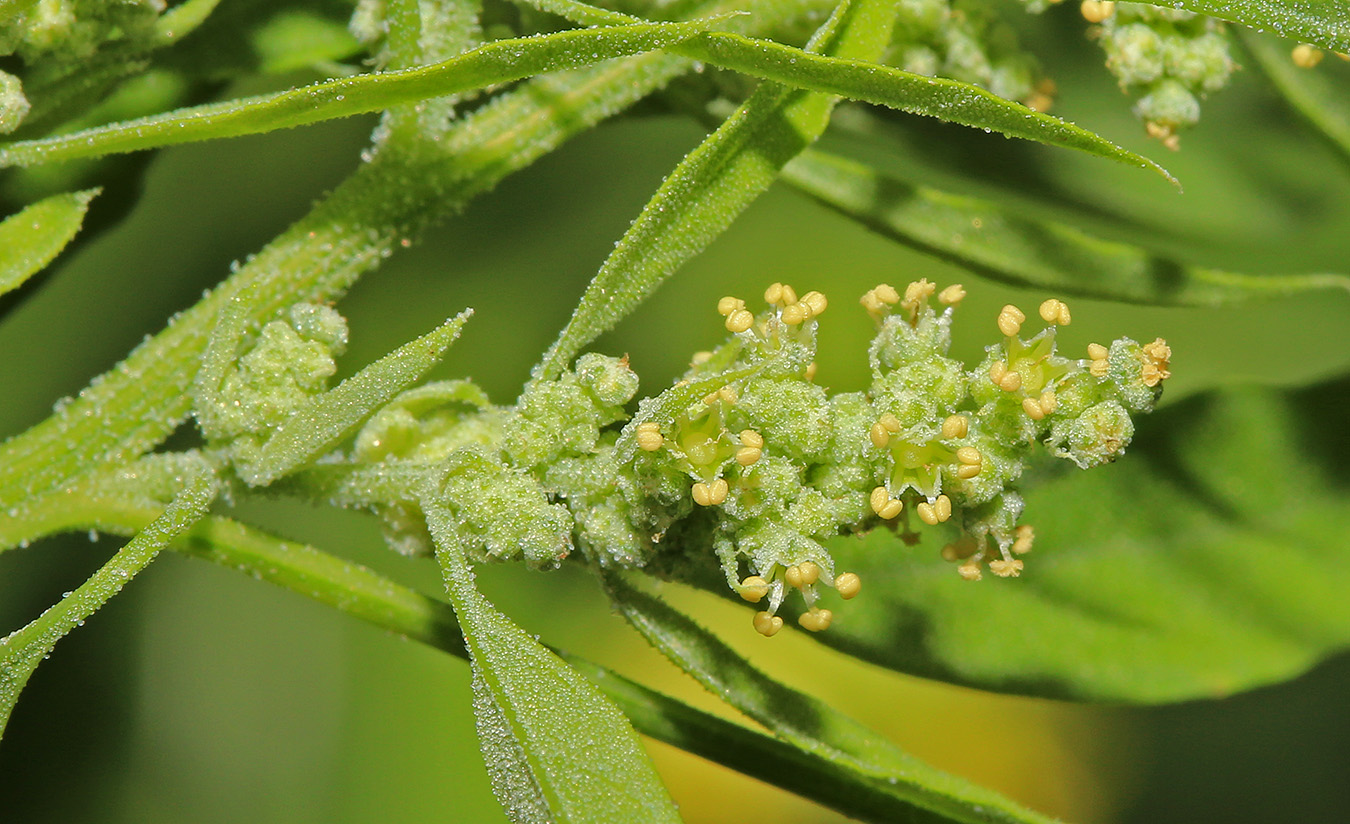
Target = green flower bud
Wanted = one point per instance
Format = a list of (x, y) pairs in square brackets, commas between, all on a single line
[(503, 513), (13, 105)]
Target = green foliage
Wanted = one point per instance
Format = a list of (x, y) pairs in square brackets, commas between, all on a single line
[(1162, 575)]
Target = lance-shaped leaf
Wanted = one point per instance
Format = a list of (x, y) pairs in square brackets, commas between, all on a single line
[(945, 99), (1310, 92), (32, 238), (715, 183), (1210, 559), (558, 750), (807, 723), (22, 650), (327, 418), (1014, 247), (498, 62), (1324, 22)]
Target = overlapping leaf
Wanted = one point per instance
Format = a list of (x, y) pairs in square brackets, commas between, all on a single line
[(1210, 559), (1324, 22), (1012, 246)]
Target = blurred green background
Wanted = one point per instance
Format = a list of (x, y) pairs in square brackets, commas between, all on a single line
[(203, 696)]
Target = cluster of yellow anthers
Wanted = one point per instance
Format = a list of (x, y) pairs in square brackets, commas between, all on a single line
[(792, 310), (878, 301), (1155, 357), (1006, 567), (803, 576)]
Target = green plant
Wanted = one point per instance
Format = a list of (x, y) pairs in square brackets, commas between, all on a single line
[(742, 476)]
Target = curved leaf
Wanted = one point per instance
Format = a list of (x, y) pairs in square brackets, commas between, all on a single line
[(1006, 245), (807, 723), (22, 650), (557, 749), (494, 63), (1308, 91), (32, 238), (715, 183), (1324, 22), (1210, 559)]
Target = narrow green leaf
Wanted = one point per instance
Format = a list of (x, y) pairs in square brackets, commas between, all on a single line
[(715, 183), (566, 741), (1323, 22), (326, 419), (32, 238), (1004, 244), (1211, 559), (808, 723), (497, 62), (22, 650), (1309, 91)]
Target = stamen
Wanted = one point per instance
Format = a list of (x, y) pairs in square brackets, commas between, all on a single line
[(884, 505), (942, 508), (1048, 401), (952, 295), (1010, 320), (970, 570), (1024, 536), (810, 572), (816, 620), (753, 589), (792, 576), (649, 436), (1032, 407), (956, 426), (810, 373), (710, 494), (766, 624), (740, 320), (729, 304), (815, 302), (1006, 569), (848, 585), (794, 314), (1055, 311), (1097, 11), (751, 438), (927, 513)]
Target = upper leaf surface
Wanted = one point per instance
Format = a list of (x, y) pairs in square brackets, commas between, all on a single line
[(579, 752), (30, 239), (1209, 560), (1324, 22), (1011, 246)]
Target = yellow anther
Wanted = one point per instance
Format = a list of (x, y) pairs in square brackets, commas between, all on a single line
[(886, 294), (748, 455), (710, 494), (810, 373), (792, 576), (1010, 320), (1049, 401), (969, 571), (1006, 569), (816, 620), (969, 455), (1024, 536), (700, 358), (810, 572), (728, 394), (816, 302), (890, 422), (794, 314), (956, 426), (766, 624), (927, 514), (649, 437), (710, 399), (740, 320), (1032, 407), (1157, 360), (848, 585), (729, 304), (1003, 379), (965, 473), (774, 294), (879, 434), (1098, 352), (751, 438), (753, 589), (942, 508), (1096, 11), (1306, 56), (884, 505), (917, 293), (997, 371), (1055, 311), (952, 295)]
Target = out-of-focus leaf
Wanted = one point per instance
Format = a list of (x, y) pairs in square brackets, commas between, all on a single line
[(1324, 22), (22, 650), (1017, 248), (557, 749), (1211, 558), (715, 183), (497, 62), (33, 237), (809, 724), (1308, 91), (327, 418)]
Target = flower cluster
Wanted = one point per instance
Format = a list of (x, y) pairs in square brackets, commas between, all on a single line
[(744, 456)]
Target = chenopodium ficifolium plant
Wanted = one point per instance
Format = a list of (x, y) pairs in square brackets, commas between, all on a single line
[(744, 459)]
